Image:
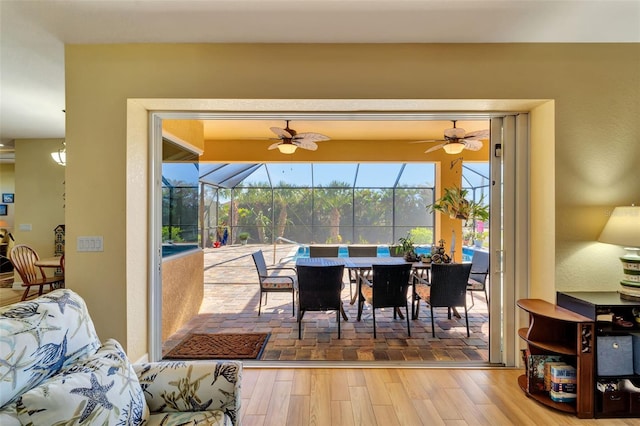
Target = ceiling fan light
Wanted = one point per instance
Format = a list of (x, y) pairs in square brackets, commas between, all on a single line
[(453, 148), (287, 148), (60, 156)]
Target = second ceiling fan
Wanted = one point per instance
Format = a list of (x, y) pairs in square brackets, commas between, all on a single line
[(456, 139), (290, 140)]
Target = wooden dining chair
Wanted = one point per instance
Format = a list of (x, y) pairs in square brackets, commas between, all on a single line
[(323, 251), (23, 259), (388, 289), (319, 288), (271, 281), (447, 288)]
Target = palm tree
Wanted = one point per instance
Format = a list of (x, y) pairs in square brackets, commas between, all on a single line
[(333, 198)]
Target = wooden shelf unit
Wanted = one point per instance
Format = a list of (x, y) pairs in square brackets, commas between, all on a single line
[(591, 304), (557, 331)]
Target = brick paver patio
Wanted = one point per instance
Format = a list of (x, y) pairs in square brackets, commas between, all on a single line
[(231, 305)]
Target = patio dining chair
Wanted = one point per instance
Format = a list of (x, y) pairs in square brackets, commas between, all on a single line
[(447, 288), (359, 251), (23, 259), (319, 288), (323, 251), (388, 289), (478, 276), (271, 281)]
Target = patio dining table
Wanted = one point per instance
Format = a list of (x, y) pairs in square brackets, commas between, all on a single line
[(361, 265)]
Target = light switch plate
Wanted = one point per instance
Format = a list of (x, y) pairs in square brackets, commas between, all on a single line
[(24, 227), (94, 243)]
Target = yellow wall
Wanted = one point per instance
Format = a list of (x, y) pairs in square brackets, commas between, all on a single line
[(595, 89), (190, 131), (39, 194)]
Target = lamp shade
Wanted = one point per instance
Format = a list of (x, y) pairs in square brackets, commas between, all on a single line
[(623, 227), (60, 156)]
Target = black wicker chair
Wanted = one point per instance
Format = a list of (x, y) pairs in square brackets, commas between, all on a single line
[(447, 289), (388, 289), (319, 288)]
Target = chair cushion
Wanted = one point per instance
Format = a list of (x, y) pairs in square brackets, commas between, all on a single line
[(209, 418), (424, 291), (367, 292), (175, 386), (277, 283), (103, 389), (475, 285)]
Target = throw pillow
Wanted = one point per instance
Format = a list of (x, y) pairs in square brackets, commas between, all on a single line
[(40, 337), (104, 389)]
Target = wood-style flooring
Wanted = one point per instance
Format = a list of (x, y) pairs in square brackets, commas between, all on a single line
[(387, 397)]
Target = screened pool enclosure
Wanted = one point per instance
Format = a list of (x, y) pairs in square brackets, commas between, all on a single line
[(304, 203)]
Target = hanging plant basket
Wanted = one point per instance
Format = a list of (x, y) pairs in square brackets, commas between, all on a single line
[(455, 204)]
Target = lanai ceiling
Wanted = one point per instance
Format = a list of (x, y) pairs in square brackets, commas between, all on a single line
[(401, 130)]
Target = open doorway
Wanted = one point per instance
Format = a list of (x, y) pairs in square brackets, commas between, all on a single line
[(499, 226)]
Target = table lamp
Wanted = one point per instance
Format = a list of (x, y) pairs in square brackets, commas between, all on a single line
[(623, 229)]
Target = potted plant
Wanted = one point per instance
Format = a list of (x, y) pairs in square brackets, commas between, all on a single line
[(243, 237), (407, 248), (478, 239), (455, 204)]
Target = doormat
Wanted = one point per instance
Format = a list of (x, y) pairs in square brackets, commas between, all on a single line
[(220, 346)]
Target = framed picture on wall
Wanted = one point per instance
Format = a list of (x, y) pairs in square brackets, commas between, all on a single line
[(7, 198), (3, 209)]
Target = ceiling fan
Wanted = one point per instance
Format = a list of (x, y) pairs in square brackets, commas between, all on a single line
[(290, 140), (456, 139)]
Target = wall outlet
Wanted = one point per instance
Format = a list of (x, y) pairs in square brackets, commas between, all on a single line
[(24, 227), (90, 243)]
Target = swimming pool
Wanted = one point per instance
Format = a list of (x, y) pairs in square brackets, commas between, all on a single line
[(383, 251)]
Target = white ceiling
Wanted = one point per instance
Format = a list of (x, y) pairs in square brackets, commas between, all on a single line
[(33, 34)]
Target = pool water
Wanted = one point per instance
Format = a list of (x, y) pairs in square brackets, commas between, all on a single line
[(383, 251)]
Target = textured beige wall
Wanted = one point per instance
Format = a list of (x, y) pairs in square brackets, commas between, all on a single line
[(182, 290), (596, 89)]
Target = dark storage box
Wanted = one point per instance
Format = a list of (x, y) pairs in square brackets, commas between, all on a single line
[(636, 352), (615, 355), (616, 402), (634, 402)]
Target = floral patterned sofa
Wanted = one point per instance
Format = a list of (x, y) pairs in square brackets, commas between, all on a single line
[(55, 370)]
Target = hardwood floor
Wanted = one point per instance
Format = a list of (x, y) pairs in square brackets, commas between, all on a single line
[(351, 396)]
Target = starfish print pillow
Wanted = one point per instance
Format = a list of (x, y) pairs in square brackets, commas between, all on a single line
[(102, 390)]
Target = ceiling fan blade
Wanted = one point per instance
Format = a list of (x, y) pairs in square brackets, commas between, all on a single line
[(472, 144), (305, 144), (274, 145), (309, 136), (282, 133), (478, 134), (429, 140), (434, 148)]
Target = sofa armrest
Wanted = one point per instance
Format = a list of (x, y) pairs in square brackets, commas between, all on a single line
[(171, 386)]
